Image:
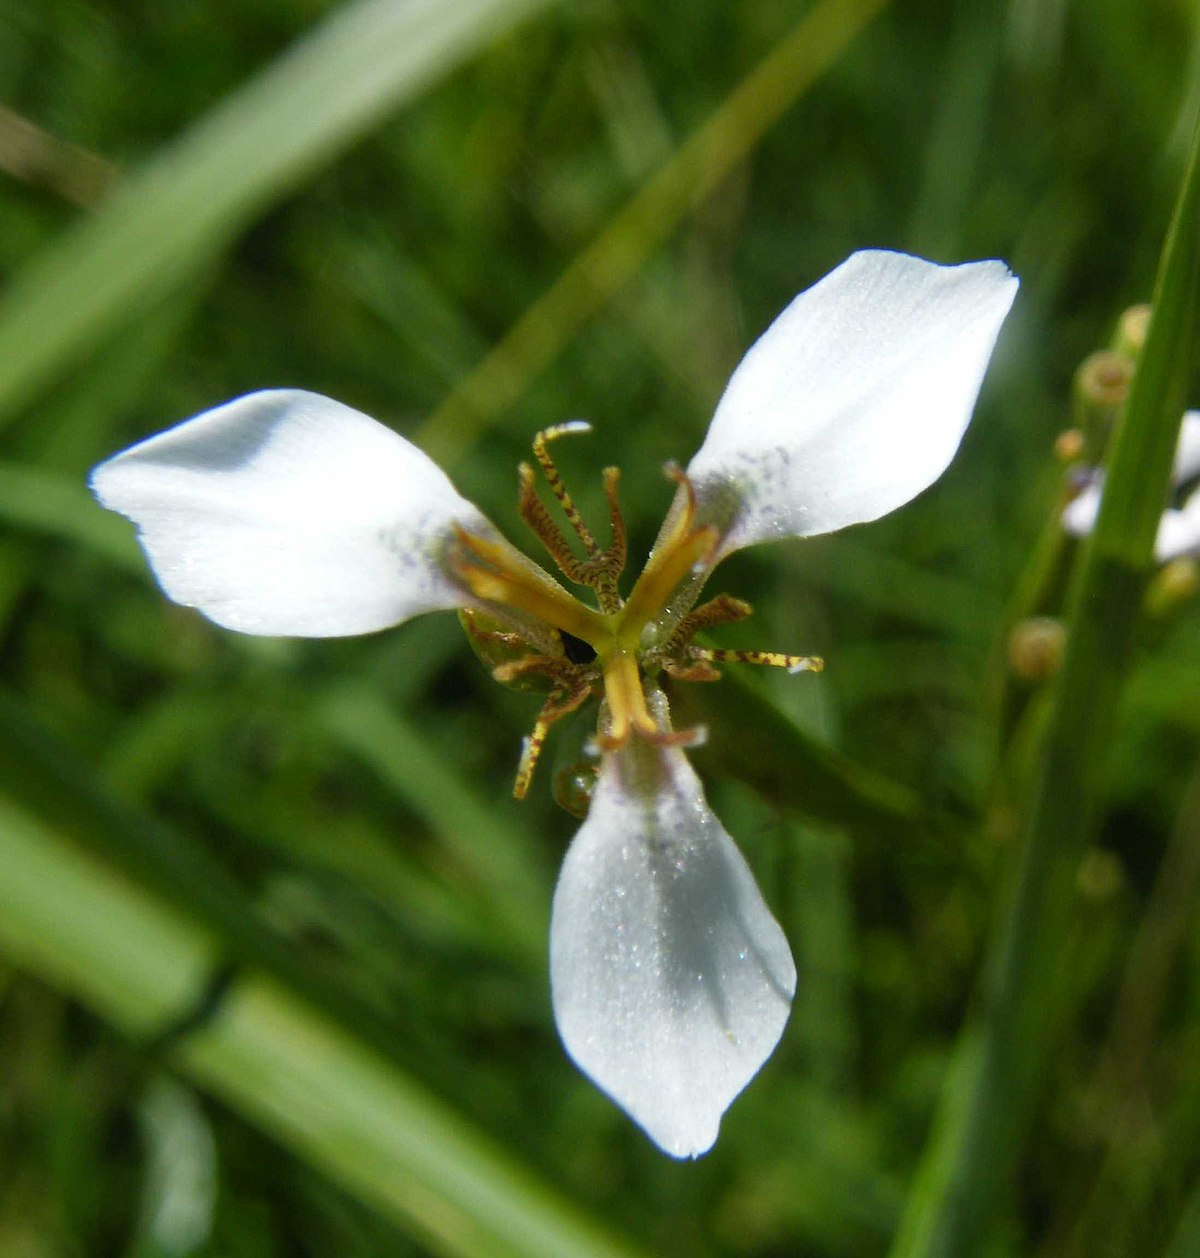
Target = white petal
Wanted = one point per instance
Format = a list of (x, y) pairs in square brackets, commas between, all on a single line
[(672, 982), (1179, 532), (1187, 452), (284, 512), (1179, 529), (1079, 515), (853, 400)]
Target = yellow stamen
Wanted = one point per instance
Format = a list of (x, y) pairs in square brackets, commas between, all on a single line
[(668, 566), (626, 702), (615, 555), (514, 581), (672, 559), (550, 471), (601, 569), (561, 703), (699, 670)]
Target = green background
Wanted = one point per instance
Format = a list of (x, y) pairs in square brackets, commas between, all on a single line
[(272, 933)]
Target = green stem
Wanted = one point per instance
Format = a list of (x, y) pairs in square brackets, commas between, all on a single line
[(1000, 1062)]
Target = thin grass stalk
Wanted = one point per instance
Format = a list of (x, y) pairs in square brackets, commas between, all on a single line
[(610, 261), (1186, 1241), (165, 978), (185, 204), (1001, 1060)]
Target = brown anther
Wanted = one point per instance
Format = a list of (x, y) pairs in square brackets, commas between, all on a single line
[(500, 637), (554, 480), (722, 610), (561, 702), (775, 659), (535, 513), (601, 569), (698, 670), (557, 668), (616, 553)]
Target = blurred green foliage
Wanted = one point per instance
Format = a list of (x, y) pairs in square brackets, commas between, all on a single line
[(336, 813)]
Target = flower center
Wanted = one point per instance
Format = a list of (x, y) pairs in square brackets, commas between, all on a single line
[(531, 630)]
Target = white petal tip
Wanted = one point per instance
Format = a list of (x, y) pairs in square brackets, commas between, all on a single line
[(854, 400), (287, 513), (690, 1149), (806, 665), (672, 982)]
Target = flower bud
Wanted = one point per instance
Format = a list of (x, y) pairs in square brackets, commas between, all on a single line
[(1035, 649), (1130, 335), (1100, 388), (1174, 584), (1068, 445)]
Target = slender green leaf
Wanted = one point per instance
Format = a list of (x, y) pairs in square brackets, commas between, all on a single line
[(604, 267), (1186, 1241), (364, 61), (349, 1111), (65, 915), (1002, 1057), (494, 851), (140, 960)]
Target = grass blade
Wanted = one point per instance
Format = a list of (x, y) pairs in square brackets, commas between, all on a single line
[(996, 1081), (602, 269), (313, 102), (141, 958)]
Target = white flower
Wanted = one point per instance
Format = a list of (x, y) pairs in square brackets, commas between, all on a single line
[(1179, 528), (286, 513)]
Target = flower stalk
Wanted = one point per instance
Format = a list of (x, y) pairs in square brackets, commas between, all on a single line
[(1001, 1058)]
